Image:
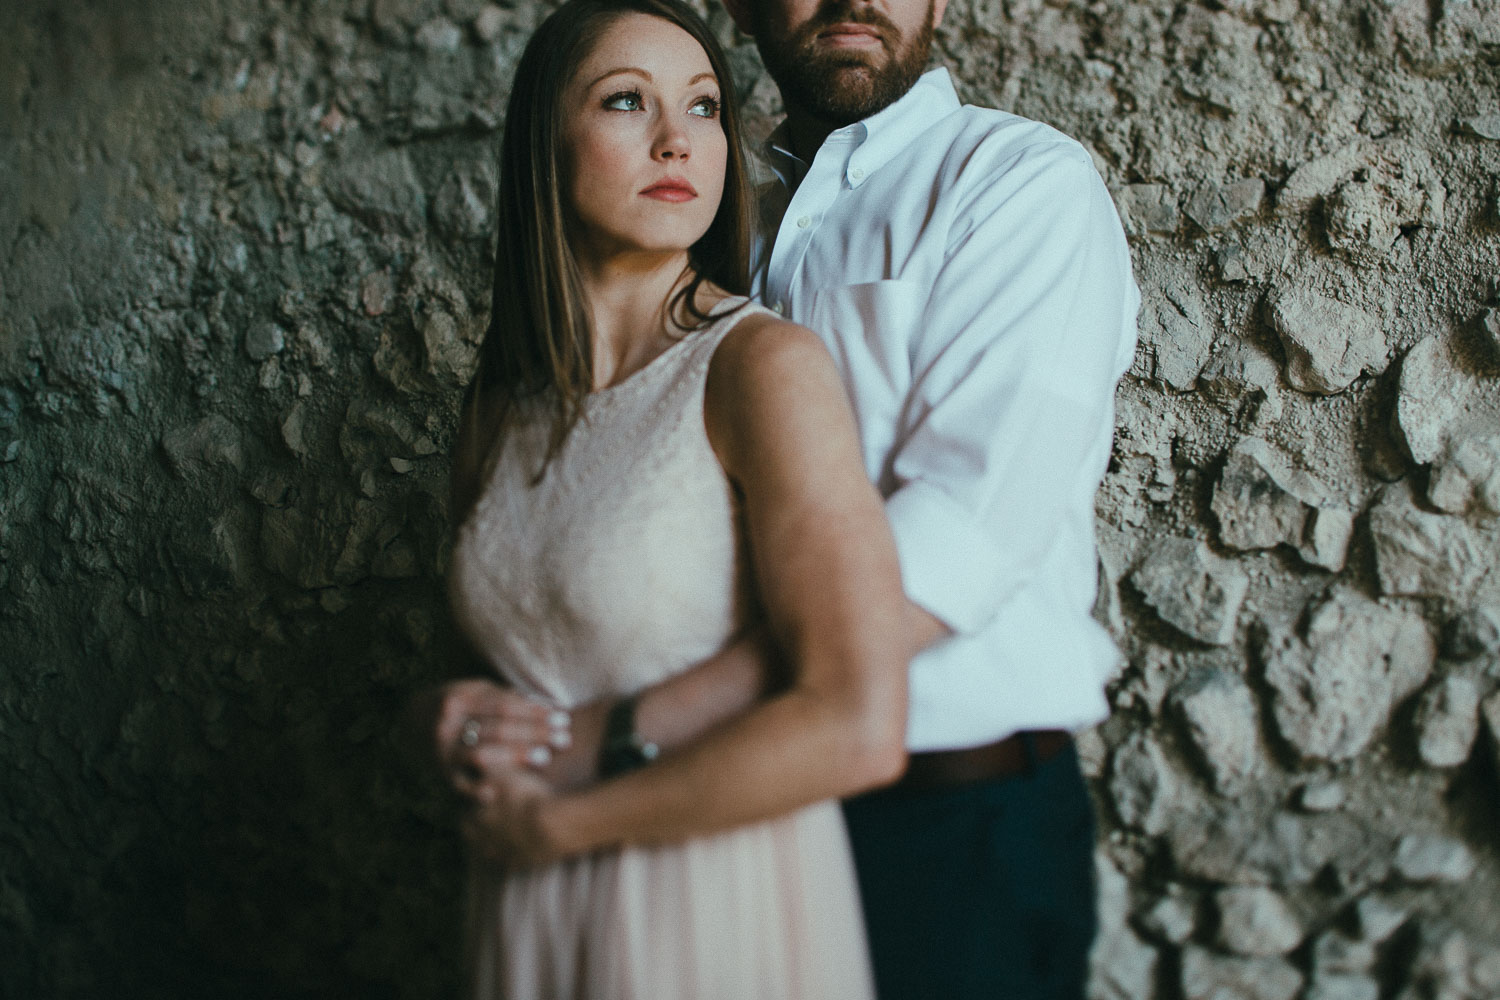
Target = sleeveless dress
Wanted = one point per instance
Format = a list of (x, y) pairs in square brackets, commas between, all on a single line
[(624, 565)]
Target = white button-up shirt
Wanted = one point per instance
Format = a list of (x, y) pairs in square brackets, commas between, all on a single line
[(969, 274)]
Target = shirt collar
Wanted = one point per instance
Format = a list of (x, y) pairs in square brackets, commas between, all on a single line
[(877, 138)]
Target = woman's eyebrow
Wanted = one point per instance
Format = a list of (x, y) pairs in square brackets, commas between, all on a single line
[(642, 73), (622, 69)]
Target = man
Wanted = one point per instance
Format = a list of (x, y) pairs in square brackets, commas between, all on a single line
[(967, 270)]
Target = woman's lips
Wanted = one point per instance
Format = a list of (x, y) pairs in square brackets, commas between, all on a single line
[(671, 190)]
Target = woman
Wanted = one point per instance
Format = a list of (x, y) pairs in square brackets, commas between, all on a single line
[(648, 466)]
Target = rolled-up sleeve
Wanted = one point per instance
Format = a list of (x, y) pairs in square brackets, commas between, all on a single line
[(1006, 432)]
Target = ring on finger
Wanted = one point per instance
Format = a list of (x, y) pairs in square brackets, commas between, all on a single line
[(469, 734)]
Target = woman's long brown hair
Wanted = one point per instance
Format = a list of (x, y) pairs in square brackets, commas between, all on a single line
[(538, 343)]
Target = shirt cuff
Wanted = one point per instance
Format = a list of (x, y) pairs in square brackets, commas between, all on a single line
[(949, 564)]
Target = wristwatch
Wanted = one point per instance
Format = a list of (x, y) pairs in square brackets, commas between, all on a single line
[(623, 749)]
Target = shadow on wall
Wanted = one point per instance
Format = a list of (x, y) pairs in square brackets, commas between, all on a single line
[(209, 625)]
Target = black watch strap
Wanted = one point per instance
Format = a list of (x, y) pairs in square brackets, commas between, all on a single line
[(623, 749)]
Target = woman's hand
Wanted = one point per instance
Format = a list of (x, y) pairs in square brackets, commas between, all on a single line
[(482, 732), (506, 825)]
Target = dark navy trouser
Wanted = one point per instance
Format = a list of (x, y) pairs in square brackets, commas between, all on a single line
[(980, 892)]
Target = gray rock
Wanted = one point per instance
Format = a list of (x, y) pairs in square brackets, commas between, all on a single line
[(1425, 402), (1172, 919), (263, 340), (1334, 688), (1362, 221), (1317, 178), (1254, 920), (1483, 126), (1475, 632), (1228, 842), (297, 547), (1489, 711), (1242, 377), (1334, 953), (1176, 335), (1148, 208), (1142, 784), (1261, 502), (1433, 858), (450, 357), (294, 430), (1122, 966), (214, 440), (1466, 476), (1207, 976), (1192, 589), (439, 35), (382, 190), (1343, 986), (1447, 415), (1215, 206), (1422, 554), (1321, 796), (1486, 972), (1447, 721), (1377, 919), (1218, 711), (490, 22), (1327, 343), (1489, 328), (462, 205)]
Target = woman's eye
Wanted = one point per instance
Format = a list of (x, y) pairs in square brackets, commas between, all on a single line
[(705, 107), (627, 101)]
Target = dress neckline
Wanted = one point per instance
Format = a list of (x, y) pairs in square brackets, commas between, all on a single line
[(720, 309)]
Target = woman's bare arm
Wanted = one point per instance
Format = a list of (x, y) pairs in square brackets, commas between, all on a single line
[(826, 566)]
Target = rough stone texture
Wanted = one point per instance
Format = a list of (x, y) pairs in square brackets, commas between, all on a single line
[(1328, 344), (1122, 966), (1192, 589), (1430, 858), (1489, 710), (1218, 711), (1143, 785), (1261, 502), (1206, 976), (1254, 920), (1335, 685), (1420, 553), (1446, 721), (1171, 919), (244, 256)]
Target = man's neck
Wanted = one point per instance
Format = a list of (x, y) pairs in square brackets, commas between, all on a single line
[(805, 132)]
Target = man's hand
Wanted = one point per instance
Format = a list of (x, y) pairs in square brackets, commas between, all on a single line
[(482, 733)]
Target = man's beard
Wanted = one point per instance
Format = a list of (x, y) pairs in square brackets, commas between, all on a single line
[(841, 88)]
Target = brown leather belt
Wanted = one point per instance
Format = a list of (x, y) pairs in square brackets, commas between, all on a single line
[(1003, 759)]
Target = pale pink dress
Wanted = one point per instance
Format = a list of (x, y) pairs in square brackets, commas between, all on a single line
[(625, 565)]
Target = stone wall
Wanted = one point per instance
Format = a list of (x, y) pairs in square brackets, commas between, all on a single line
[(243, 256)]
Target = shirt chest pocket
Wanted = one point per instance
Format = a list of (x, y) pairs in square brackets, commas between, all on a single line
[(869, 328)]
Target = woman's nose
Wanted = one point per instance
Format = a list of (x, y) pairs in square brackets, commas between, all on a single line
[(672, 144)]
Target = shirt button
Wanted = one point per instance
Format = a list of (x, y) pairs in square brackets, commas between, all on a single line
[(804, 222), (781, 308), (857, 174)]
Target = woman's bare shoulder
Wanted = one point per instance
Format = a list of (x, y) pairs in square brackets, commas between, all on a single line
[(763, 344)]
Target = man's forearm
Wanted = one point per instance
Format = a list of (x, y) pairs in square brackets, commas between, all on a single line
[(680, 795), (684, 708)]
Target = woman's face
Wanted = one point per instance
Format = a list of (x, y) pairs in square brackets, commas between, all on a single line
[(643, 147)]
